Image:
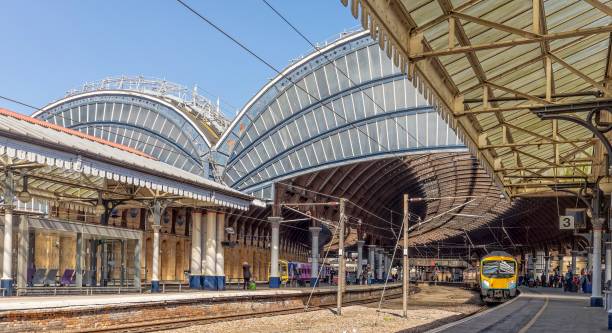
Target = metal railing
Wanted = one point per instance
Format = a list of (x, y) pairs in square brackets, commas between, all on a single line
[(61, 290), (201, 107)]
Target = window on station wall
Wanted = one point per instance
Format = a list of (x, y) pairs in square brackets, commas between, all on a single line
[(378, 96), (372, 134), (320, 119), (421, 128), (301, 156), (311, 154), (374, 52), (293, 99), (345, 144), (332, 78), (353, 69), (402, 132), (283, 104), (399, 95), (393, 132), (295, 163), (311, 87), (304, 97), (432, 128), (343, 73), (364, 65), (321, 77)]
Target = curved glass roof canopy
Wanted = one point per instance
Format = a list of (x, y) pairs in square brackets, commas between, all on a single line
[(317, 115), (150, 120)]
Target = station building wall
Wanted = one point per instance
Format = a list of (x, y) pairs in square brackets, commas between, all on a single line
[(52, 250)]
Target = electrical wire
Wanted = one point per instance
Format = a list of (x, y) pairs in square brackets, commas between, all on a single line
[(281, 74), (330, 61)]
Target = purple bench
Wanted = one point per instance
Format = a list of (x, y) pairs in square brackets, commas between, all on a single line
[(68, 277)]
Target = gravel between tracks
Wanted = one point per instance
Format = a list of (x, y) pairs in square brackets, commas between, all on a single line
[(430, 307)]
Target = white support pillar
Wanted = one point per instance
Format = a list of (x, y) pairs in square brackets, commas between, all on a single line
[(379, 264), (79, 263), (22, 253), (155, 261), (608, 275), (210, 281), (596, 299), (195, 276), (220, 254), (314, 273), (387, 265), (203, 233), (359, 260), (137, 254), (6, 283), (274, 245), (372, 260)]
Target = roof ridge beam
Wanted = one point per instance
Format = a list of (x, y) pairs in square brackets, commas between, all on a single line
[(518, 93), (583, 76), (494, 25), (603, 7), (511, 43)]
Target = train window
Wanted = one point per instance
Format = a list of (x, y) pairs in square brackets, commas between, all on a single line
[(498, 268)]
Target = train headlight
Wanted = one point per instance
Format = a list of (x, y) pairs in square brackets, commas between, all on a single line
[(485, 284), (511, 285)]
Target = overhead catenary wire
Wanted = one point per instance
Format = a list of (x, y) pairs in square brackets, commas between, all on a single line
[(331, 62), (280, 73)]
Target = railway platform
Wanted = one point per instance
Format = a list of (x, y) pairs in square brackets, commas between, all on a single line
[(100, 312), (536, 310)]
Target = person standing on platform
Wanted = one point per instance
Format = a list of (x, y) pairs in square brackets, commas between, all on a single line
[(246, 275)]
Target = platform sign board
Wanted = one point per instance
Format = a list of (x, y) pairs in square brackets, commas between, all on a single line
[(566, 222), (580, 217)]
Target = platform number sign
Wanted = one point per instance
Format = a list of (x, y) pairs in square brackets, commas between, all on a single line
[(566, 222)]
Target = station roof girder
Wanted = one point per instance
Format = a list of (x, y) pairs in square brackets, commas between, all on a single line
[(484, 64)]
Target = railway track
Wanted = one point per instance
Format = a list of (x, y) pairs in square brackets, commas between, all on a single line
[(174, 323)]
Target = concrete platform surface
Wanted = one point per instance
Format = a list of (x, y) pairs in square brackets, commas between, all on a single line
[(536, 310), (64, 301)]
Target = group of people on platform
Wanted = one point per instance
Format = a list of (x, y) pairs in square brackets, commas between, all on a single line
[(569, 281), (367, 276)]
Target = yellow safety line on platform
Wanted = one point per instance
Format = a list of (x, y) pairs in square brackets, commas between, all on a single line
[(535, 318)]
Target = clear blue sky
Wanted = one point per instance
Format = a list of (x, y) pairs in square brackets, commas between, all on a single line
[(49, 47)]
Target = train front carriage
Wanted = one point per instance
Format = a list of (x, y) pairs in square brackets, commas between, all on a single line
[(498, 277)]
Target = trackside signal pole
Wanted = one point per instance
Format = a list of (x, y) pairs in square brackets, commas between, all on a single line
[(341, 261), (406, 278)]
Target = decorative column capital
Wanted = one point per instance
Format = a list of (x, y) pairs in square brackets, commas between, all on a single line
[(315, 230), (360, 243), (598, 223), (275, 221), (156, 227)]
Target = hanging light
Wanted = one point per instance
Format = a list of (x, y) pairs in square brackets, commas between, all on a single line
[(24, 196), (100, 209), (605, 185)]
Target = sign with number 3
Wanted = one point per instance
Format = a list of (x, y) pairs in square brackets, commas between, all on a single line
[(566, 222)]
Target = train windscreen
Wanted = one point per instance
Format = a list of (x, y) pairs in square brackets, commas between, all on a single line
[(498, 268)]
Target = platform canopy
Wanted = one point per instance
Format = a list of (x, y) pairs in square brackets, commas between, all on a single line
[(493, 68), (65, 166)]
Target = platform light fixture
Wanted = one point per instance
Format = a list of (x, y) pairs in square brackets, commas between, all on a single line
[(24, 196), (605, 185), (100, 209)]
